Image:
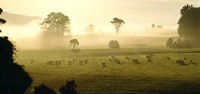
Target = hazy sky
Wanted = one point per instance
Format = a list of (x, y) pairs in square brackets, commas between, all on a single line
[(138, 14)]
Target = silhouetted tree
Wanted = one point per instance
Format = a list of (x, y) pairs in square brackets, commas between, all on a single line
[(74, 43), (53, 29), (69, 88), (114, 44), (117, 23), (14, 79), (42, 89), (189, 22), (2, 20)]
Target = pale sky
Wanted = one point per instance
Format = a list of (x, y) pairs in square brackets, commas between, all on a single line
[(137, 14)]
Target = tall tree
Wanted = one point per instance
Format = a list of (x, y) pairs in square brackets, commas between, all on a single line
[(56, 24), (2, 20), (117, 23), (53, 29), (189, 24)]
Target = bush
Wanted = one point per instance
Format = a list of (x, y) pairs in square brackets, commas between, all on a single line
[(69, 88), (42, 89), (114, 44)]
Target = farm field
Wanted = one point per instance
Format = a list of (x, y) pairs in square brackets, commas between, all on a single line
[(161, 75)]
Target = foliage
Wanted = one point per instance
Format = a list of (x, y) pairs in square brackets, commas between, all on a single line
[(189, 24), (114, 44), (55, 24), (2, 20), (169, 42), (117, 23), (69, 88), (14, 79), (74, 43), (42, 89)]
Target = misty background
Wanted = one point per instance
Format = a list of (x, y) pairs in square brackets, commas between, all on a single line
[(23, 18)]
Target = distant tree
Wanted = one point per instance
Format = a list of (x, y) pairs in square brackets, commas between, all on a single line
[(74, 43), (53, 29), (89, 29), (69, 88), (56, 24), (159, 26), (14, 79), (42, 89), (189, 22), (2, 21), (153, 26), (114, 44), (117, 23), (169, 42)]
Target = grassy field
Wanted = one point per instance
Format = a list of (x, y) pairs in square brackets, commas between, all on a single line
[(161, 76)]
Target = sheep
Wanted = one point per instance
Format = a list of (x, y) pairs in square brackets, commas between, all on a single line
[(135, 61), (180, 62), (167, 57), (104, 64), (127, 58)]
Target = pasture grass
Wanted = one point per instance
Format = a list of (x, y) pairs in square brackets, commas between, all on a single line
[(160, 75)]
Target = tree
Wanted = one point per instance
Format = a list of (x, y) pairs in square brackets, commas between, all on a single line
[(2, 21), (189, 22), (114, 44), (14, 79), (42, 89), (56, 24), (69, 88), (74, 43), (117, 23), (53, 29)]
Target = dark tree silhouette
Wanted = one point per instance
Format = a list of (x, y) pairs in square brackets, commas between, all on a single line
[(14, 79), (2, 21), (114, 44), (42, 89), (153, 26), (117, 23), (189, 22), (74, 43), (69, 88)]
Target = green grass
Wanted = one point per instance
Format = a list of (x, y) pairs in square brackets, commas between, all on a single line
[(162, 75)]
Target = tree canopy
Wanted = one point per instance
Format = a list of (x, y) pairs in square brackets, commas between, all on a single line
[(56, 24), (117, 23), (189, 24)]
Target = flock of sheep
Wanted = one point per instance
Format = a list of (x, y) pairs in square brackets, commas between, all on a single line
[(112, 59)]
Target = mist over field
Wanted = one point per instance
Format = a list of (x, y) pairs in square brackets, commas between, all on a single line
[(99, 47)]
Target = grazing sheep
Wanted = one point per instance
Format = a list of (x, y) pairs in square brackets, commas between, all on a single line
[(31, 61), (81, 62), (191, 62), (104, 64), (150, 60), (135, 61), (58, 62), (149, 56), (50, 62), (127, 58), (167, 57), (180, 62), (85, 61)]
